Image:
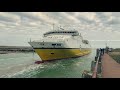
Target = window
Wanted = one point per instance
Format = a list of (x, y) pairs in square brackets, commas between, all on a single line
[(41, 43), (58, 44), (53, 44)]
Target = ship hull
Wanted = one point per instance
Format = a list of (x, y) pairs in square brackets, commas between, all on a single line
[(60, 53)]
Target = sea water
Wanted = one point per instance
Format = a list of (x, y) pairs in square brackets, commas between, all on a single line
[(21, 65)]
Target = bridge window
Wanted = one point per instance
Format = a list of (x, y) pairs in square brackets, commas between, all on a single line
[(58, 44), (53, 44), (41, 43)]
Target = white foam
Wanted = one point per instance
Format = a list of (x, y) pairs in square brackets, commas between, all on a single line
[(24, 70)]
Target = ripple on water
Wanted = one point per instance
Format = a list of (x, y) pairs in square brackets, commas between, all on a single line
[(24, 67)]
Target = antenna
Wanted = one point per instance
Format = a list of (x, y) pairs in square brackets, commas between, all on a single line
[(106, 43), (61, 28), (53, 26)]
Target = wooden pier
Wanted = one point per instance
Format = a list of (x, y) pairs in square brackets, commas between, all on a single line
[(110, 68), (103, 66)]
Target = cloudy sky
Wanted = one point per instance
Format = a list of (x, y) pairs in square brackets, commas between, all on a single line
[(16, 28)]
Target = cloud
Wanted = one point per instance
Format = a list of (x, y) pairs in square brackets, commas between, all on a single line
[(8, 17), (108, 18), (92, 25), (35, 16), (87, 17), (113, 20), (29, 15)]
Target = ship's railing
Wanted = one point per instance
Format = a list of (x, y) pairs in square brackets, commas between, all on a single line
[(49, 40)]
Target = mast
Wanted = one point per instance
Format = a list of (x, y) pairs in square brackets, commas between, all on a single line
[(61, 28), (106, 44), (53, 26)]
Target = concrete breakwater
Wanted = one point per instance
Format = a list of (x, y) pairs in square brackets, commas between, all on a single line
[(8, 49)]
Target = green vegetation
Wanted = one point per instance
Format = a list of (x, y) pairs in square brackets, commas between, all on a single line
[(116, 50), (115, 54), (116, 58)]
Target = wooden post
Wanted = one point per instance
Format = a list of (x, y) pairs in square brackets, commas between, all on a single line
[(93, 63), (97, 52), (96, 58), (99, 68)]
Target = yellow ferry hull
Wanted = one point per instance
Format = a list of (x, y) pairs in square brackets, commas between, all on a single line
[(53, 54)]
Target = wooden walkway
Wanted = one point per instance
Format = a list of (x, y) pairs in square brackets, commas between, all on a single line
[(110, 68)]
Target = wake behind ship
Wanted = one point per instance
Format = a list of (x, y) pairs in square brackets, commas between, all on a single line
[(61, 44)]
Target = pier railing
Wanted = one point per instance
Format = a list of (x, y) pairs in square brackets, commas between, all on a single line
[(95, 71), (95, 66)]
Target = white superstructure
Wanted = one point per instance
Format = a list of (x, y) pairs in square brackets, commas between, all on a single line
[(61, 44), (61, 39)]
